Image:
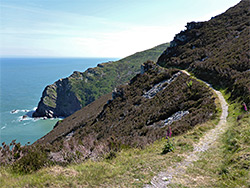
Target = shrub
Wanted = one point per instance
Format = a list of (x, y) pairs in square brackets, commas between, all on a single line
[(168, 147), (34, 160)]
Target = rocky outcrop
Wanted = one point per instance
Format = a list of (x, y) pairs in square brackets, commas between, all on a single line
[(187, 35), (58, 100), (175, 117), (146, 66), (160, 86)]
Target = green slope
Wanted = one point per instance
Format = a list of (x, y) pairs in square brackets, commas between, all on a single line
[(68, 95)]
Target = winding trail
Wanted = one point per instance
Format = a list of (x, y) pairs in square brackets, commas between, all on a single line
[(163, 179)]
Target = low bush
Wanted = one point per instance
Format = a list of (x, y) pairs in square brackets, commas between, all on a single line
[(33, 160)]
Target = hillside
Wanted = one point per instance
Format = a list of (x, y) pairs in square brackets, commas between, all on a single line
[(138, 113), (70, 94), (214, 51), (217, 51)]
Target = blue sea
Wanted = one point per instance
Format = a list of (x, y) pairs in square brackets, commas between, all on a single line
[(22, 81)]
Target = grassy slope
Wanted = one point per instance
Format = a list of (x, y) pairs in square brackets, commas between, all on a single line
[(130, 168)]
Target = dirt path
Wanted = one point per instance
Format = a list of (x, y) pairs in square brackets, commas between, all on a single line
[(163, 179)]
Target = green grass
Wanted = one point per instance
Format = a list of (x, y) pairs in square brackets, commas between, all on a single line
[(227, 163)]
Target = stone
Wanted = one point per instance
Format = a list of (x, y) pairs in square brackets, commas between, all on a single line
[(175, 117), (24, 116), (194, 25), (146, 66), (118, 92), (160, 86)]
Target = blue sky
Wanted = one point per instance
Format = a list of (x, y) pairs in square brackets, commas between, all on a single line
[(96, 28)]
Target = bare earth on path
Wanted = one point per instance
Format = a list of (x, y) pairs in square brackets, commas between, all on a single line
[(163, 179)]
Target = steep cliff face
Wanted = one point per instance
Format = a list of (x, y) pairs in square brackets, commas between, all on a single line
[(58, 100), (217, 51), (68, 95)]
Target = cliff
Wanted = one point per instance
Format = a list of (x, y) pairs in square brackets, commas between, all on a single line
[(70, 94)]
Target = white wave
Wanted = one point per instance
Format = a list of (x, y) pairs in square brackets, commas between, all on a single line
[(3, 127), (15, 111)]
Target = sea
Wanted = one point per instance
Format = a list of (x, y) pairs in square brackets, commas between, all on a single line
[(22, 81)]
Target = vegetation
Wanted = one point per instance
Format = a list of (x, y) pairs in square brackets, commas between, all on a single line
[(32, 161), (130, 119), (132, 167), (116, 141), (224, 165), (227, 163), (216, 51), (168, 147), (68, 95)]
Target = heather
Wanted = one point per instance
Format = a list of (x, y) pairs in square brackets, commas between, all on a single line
[(216, 51)]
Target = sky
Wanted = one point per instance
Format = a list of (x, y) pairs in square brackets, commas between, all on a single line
[(96, 28)]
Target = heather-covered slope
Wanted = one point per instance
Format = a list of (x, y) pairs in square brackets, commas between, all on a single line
[(70, 94), (217, 51), (134, 116)]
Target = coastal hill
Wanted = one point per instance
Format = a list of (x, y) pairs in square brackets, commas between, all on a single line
[(216, 51), (136, 114), (70, 94), (118, 140)]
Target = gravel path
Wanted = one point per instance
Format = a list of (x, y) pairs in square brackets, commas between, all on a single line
[(163, 179)]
